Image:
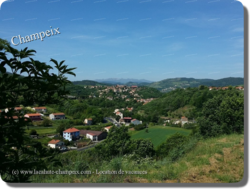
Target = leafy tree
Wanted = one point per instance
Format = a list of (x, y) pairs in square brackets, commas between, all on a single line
[(62, 127), (116, 143), (222, 115), (46, 122), (35, 85)]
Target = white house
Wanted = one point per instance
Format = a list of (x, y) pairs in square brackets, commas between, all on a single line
[(88, 121), (71, 134), (40, 109), (92, 136), (119, 114), (56, 116), (136, 122), (116, 110), (107, 128), (184, 120), (55, 143)]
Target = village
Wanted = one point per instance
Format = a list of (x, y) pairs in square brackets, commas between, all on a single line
[(83, 138)]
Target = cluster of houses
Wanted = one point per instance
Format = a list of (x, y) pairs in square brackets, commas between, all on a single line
[(225, 88), (39, 111), (73, 134), (126, 120), (181, 121)]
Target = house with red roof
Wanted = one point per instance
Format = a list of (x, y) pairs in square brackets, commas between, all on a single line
[(34, 117), (130, 109), (71, 134), (93, 135), (107, 128), (136, 122), (184, 120), (240, 88), (57, 116), (127, 119), (55, 143), (134, 87)]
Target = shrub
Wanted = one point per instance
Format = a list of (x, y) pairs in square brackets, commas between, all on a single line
[(33, 132), (174, 141), (139, 127)]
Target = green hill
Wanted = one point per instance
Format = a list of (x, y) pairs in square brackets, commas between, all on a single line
[(171, 84), (88, 82)]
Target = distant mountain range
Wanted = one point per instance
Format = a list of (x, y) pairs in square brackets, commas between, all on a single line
[(166, 85), (122, 81)]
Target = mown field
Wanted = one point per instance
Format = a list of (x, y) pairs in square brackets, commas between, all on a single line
[(158, 134)]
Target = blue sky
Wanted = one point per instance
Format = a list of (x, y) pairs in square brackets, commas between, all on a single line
[(141, 39)]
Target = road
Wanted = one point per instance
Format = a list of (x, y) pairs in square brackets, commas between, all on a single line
[(112, 120)]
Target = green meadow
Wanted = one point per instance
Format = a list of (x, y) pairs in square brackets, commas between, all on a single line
[(158, 134)]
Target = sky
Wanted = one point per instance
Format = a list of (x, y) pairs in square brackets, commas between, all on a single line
[(140, 39)]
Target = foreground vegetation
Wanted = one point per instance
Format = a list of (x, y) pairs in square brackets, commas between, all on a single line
[(213, 160)]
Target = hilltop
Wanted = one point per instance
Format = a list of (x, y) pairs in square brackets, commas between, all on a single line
[(173, 83)]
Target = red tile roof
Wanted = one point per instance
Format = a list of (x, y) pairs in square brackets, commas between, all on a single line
[(18, 108), (71, 130), (85, 132), (40, 107), (58, 114), (92, 134), (54, 141), (127, 118), (31, 115), (108, 127), (134, 119)]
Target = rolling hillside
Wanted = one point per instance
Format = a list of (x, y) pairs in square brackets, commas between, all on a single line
[(171, 84), (88, 82)]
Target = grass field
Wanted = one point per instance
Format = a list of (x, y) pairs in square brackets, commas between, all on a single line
[(42, 130), (158, 134)]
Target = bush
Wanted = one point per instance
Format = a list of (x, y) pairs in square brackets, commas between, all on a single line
[(142, 147), (174, 141), (139, 127), (33, 132)]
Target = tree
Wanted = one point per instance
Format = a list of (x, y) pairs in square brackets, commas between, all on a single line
[(62, 127), (46, 122), (222, 115), (31, 81), (116, 143)]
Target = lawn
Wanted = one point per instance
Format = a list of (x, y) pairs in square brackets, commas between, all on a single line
[(158, 134), (42, 130)]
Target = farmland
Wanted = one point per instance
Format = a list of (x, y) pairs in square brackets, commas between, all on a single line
[(158, 134)]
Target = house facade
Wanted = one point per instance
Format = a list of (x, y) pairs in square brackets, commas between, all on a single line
[(107, 128), (88, 121), (184, 120), (34, 117), (127, 119), (93, 135), (71, 134), (57, 116), (55, 143), (136, 122)]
